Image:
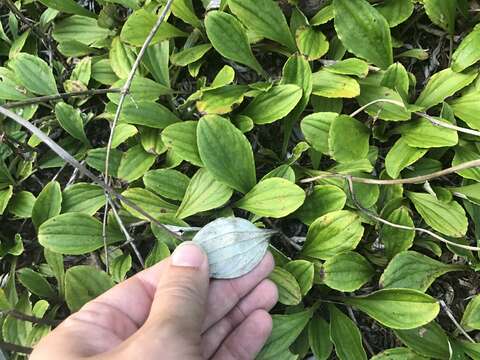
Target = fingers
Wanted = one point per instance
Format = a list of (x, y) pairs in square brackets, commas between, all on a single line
[(225, 294), (179, 303), (247, 339), (263, 297)]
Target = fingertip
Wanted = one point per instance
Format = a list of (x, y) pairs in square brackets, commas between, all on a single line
[(270, 291)]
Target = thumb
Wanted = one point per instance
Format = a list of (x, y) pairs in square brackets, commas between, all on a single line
[(180, 299)]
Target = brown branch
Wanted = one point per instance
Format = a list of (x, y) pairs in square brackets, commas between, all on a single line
[(412, 180), (15, 348), (33, 319), (46, 41), (64, 155), (401, 227), (47, 98)]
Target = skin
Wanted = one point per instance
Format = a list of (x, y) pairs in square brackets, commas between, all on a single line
[(170, 311)]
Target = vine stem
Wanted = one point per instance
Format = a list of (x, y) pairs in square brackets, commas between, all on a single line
[(15, 348), (123, 95), (41, 99), (412, 180), (64, 155), (402, 227), (455, 322)]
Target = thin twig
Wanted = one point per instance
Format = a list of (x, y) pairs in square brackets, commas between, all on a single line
[(448, 125), (365, 342), (128, 83), (455, 322), (366, 106), (402, 227), (412, 180), (123, 95), (127, 235), (64, 155), (33, 319), (41, 99), (284, 237), (15, 348)]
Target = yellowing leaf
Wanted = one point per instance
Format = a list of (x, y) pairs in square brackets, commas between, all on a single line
[(330, 85)]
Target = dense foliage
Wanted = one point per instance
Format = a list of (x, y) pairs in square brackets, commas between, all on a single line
[(350, 127)]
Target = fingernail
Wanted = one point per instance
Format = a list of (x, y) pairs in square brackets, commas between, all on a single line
[(188, 255)]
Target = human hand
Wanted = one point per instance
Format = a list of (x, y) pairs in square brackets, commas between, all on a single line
[(170, 311)]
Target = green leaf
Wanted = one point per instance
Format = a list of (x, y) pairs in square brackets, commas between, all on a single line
[(274, 197), (466, 107), (396, 78), (347, 272), (229, 38), (468, 52), (21, 205), (471, 192), (396, 11), (142, 89), (289, 292), (71, 121), (430, 341), (442, 85), (311, 43), (397, 240), (383, 110), (412, 270), (123, 132), (190, 55), (435, 211), (34, 74), (465, 154), (203, 193), (226, 153), (303, 271), (398, 354), (84, 198), (81, 29), (353, 147), (84, 283), (471, 316), (363, 31), (332, 234), (442, 13), (149, 202), (264, 18), (323, 16), (273, 104), (168, 183), (400, 156), (322, 200), (36, 283), (5, 196), (352, 66), (331, 85), (156, 60), (397, 308), (75, 234), (319, 338), (55, 262), (221, 100), (286, 329), (346, 336), (96, 160), (119, 267), (148, 113), (316, 127), (134, 163), (122, 58), (183, 9), (423, 134), (67, 6), (182, 138), (140, 23), (48, 203)]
